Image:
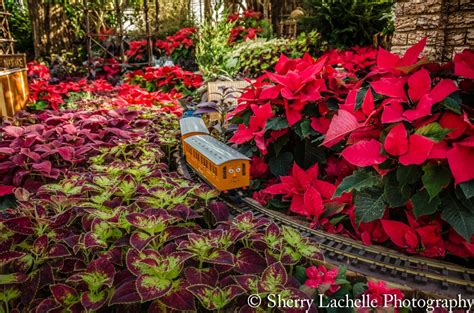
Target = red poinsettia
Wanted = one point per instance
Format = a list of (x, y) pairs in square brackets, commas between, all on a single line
[(306, 191), (391, 63), (322, 279), (416, 238), (378, 292), (256, 128)]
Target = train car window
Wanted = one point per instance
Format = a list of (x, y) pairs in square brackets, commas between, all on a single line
[(243, 169), (225, 172)]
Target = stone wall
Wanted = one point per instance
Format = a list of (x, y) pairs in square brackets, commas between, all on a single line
[(449, 25)]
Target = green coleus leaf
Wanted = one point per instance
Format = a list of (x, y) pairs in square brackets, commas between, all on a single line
[(215, 298), (435, 178), (9, 294), (423, 205), (358, 181), (369, 205), (292, 236), (152, 287), (433, 131), (460, 217)]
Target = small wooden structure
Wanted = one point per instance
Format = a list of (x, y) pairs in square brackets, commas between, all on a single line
[(14, 91)]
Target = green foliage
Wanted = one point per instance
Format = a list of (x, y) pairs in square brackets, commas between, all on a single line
[(212, 50), (20, 25), (256, 57), (345, 23)]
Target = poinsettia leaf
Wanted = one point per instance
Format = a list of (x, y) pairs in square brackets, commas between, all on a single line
[(468, 188), (364, 153), (408, 174), (359, 180), (422, 205), (461, 218), (249, 262), (453, 102), (281, 164), (277, 123), (435, 178), (341, 125), (360, 97), (433, 131), (303, 129), (394, 194), (369, 205)]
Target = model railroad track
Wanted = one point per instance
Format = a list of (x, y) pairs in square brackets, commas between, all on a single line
[(429, 276)]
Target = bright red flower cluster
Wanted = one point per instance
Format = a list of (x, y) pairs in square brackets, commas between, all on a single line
[(181, 40), (378, 292), (247, 26), (322, 279), (136, 51), (170, 79), (38, 71)]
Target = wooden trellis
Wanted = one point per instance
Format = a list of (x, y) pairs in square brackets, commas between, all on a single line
[(94, 40), (14, 91)]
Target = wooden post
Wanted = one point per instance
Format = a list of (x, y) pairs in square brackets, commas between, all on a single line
[(118, 11), (89, 38), (148, 33)]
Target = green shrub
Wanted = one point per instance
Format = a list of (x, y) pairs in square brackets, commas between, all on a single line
[(346, 23), (256, 57), (20, 25)]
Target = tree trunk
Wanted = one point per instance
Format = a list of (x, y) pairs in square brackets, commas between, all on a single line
[(51, 29)]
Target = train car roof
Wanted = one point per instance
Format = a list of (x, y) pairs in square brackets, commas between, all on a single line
[(216, 151), (192, 125)]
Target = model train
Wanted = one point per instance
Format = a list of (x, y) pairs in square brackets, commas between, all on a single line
[(221, 166)]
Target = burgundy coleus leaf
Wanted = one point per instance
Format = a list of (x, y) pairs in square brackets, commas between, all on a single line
[(21, 194), (57, 250), (219, 210), (249, 261), (13, 131), (222, 257), (152, 287), (140, 240), (10, 256), (207, 276), (179, 298), (273, 278), (174, 232), (248, 282), (365, 153), (40, 245), (67, 153), (342, 124), (20, 225), (44, 168), (64, 294), (132, 258), (13, 278), (94, 301), (126, 293), (47, 305), (396, 142), (105, 269)]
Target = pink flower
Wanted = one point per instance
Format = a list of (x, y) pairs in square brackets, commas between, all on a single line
[(323, 279)]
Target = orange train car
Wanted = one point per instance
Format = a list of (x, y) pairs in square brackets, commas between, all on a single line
[(220, 165)]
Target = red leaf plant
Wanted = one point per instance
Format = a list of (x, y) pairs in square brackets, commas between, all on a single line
[(306, 192), (322, 279)]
